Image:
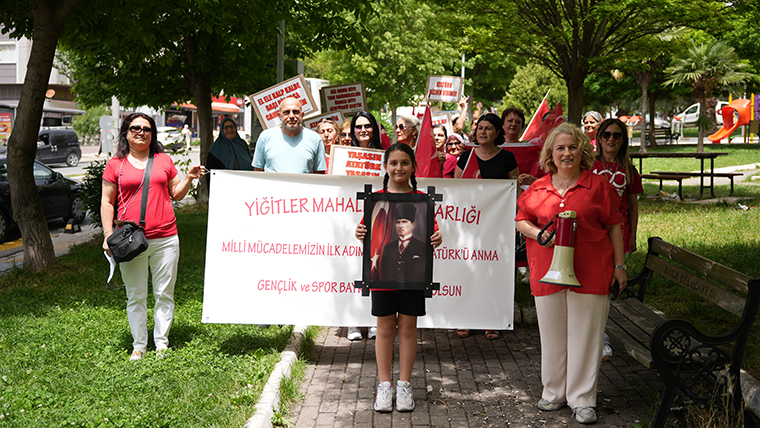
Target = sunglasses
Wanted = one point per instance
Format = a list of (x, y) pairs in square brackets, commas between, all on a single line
[(366, 126), (400, 127), (616, 135), (136, 129)]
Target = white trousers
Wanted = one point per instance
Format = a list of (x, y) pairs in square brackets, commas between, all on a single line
[(572, 329), (161, 257)]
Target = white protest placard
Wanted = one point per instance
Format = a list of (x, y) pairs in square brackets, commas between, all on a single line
[(349, 160), (281, 250), (447, 89), (313, 122), (348, 98), (445, 120), (266, 103)]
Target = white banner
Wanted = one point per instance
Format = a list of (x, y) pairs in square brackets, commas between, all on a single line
[(350, 160), (444, 88), (281, 250), (266, 103)]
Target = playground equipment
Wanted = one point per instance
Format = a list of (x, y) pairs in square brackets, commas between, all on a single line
[(742, 108)]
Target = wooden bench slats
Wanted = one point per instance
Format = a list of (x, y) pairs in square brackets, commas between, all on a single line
[(723, 274), (618, 336), (645, 317), (634, 331), (711, 292)]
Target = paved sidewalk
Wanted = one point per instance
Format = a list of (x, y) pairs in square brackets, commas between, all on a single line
[(471, 382)]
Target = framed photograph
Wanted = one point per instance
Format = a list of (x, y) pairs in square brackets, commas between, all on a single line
[(397, 253)]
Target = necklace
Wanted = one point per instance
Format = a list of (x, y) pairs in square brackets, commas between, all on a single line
[(563, 187)]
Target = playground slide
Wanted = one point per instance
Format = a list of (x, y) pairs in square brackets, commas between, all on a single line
[(739, 106), (722, 133)]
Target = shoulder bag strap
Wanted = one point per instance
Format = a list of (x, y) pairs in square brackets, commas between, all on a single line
[(146, 186)]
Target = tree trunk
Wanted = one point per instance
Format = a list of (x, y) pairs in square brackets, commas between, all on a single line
[(575, 97), (200, 88), (49, 18), (701, 135), (644, 82), (652, 112)]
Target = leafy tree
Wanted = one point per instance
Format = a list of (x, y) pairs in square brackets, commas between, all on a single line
[(403, 45), (575, 38), (88, 124), (155, 54), (706, 67), (44, 20), (529, 86)]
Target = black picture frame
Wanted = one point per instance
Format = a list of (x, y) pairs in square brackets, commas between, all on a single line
[(402, 272)]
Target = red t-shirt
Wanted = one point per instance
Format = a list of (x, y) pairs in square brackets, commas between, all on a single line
[(596, 204), (159, 215), (615, 174)]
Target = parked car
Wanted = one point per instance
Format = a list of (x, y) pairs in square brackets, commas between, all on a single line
[(56, 146), (170, 137), (689, 116), (60, 196)]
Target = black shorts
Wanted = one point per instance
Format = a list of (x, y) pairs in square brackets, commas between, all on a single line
[(405, 302)]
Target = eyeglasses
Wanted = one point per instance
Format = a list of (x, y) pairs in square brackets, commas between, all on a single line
[(136, 129), (453, 144), (366, 126), (400, 127), (344, 134), (616, 135)]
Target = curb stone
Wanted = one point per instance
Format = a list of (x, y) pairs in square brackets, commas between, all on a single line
[(270, 396)]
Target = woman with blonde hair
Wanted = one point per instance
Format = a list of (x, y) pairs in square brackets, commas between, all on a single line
[(571, 320)]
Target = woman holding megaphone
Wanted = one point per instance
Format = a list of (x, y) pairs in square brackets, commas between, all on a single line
[(571, 318)]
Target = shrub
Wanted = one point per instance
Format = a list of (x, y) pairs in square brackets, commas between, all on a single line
[(91, 189)]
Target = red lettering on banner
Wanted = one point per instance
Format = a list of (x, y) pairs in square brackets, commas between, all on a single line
[(449, 290), (443, 85)]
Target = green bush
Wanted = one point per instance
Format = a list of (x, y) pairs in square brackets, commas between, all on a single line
[(91, 189)]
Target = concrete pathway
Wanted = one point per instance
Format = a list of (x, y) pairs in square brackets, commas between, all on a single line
[(471, 382)]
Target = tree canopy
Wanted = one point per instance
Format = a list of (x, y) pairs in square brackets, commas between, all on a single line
[(575, 38)]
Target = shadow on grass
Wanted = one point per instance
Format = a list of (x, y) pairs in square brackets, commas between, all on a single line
[(243, 343)]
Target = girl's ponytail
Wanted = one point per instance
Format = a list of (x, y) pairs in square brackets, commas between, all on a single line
[(385, 183)]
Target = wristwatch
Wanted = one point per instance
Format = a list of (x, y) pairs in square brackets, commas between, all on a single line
[(624, 267)]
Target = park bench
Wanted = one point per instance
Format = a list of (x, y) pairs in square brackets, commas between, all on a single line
[(662, 134), (688, 360), (669, 176), (729, 175)]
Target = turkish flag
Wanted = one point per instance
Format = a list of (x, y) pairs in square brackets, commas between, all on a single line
[(533, 129), (471, 168), (428, 164)]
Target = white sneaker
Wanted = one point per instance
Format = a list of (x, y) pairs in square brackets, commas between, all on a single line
[(404, 398), (585, 415), (372, 333), (384, 399), (354, 334)]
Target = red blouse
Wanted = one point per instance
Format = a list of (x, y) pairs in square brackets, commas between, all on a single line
[(596, 203)]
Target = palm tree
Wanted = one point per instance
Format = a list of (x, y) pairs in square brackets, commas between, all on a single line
[(706, 67)]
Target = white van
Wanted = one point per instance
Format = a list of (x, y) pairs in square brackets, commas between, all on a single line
[(690, 115)]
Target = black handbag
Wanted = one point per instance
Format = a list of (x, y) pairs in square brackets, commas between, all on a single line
[(129, 240)]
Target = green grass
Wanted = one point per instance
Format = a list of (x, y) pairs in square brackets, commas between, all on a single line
[(65, 343)]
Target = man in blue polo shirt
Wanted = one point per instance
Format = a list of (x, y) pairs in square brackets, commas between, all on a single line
[(289, 147)]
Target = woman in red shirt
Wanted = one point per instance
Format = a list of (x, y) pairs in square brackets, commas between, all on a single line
[(572, 320), (123, 179)]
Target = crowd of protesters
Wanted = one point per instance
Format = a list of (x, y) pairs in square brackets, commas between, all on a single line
[(567, 168)]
